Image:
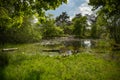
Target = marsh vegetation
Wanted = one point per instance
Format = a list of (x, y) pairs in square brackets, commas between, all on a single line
[(38, 46)]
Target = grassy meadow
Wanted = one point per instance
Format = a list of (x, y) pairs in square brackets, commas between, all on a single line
[(27, 63)]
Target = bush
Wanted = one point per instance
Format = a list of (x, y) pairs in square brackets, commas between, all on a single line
[(22, 35), (50, 30), (25, 33), (68, 30)]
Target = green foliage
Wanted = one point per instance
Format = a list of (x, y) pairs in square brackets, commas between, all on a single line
[(94, 33), (62, 19), (5, 20), (64, 22), (50, 30), (79, 26), (12, 18), (114, 29), (82, 66), (110, 15), (68, 30), (28, 63), (18, 8), (109, 7), (103, 44), (27, 32), (101, 20)]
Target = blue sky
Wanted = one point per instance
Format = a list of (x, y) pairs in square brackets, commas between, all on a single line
[(72, 7)]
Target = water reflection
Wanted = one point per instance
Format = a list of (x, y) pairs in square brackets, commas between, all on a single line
[(87, 43), (69, 46)]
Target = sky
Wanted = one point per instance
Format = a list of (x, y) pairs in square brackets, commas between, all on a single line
[(73, 7)]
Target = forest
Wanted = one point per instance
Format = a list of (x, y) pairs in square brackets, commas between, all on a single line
[(38, 46)]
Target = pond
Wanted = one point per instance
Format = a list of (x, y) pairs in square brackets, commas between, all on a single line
[(75, 46), (64, 46)]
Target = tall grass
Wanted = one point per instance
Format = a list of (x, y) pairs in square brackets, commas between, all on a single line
[(74, 67), (23, 66)]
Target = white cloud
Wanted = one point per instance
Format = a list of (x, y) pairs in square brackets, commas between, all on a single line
[(87, 1), (73, 7), (85, 8)]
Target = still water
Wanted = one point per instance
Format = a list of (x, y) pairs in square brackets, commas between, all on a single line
[(71, 46)]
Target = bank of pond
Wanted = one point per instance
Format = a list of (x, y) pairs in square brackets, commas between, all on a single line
[(60, 60)]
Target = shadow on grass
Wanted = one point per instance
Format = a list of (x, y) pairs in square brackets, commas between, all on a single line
[(34, 75), (3, 63)]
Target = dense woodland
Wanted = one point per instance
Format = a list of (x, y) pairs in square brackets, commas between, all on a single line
[(17, 21), (25, 22)]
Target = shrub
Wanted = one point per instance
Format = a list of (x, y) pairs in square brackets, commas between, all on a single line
[(50, 30)]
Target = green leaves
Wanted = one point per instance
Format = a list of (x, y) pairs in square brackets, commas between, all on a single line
[(111, 10), (13, 24), (79, 26), (3, 13), (62, 19), (13, 8), (49, 30), (110, 7)]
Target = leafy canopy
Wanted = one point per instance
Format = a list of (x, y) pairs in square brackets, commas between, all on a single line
[(62, 19), (13, 11), (109, 7), (111, 10), (80, 22)]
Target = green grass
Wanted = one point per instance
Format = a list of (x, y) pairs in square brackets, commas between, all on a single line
[(83, 66), (75, 67)]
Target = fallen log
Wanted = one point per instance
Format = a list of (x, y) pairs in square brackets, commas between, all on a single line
[(116, 47), (51, 50), (9, 49)]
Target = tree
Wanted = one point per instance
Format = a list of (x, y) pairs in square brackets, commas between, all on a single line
[(77, 16), (109, 7), (79, 26), (49, 29), (92, 20), (62, 19), (26, 33), (98, 24), (111, 10), (64, 22), (102, 26), (13, 12), (94, 31)]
